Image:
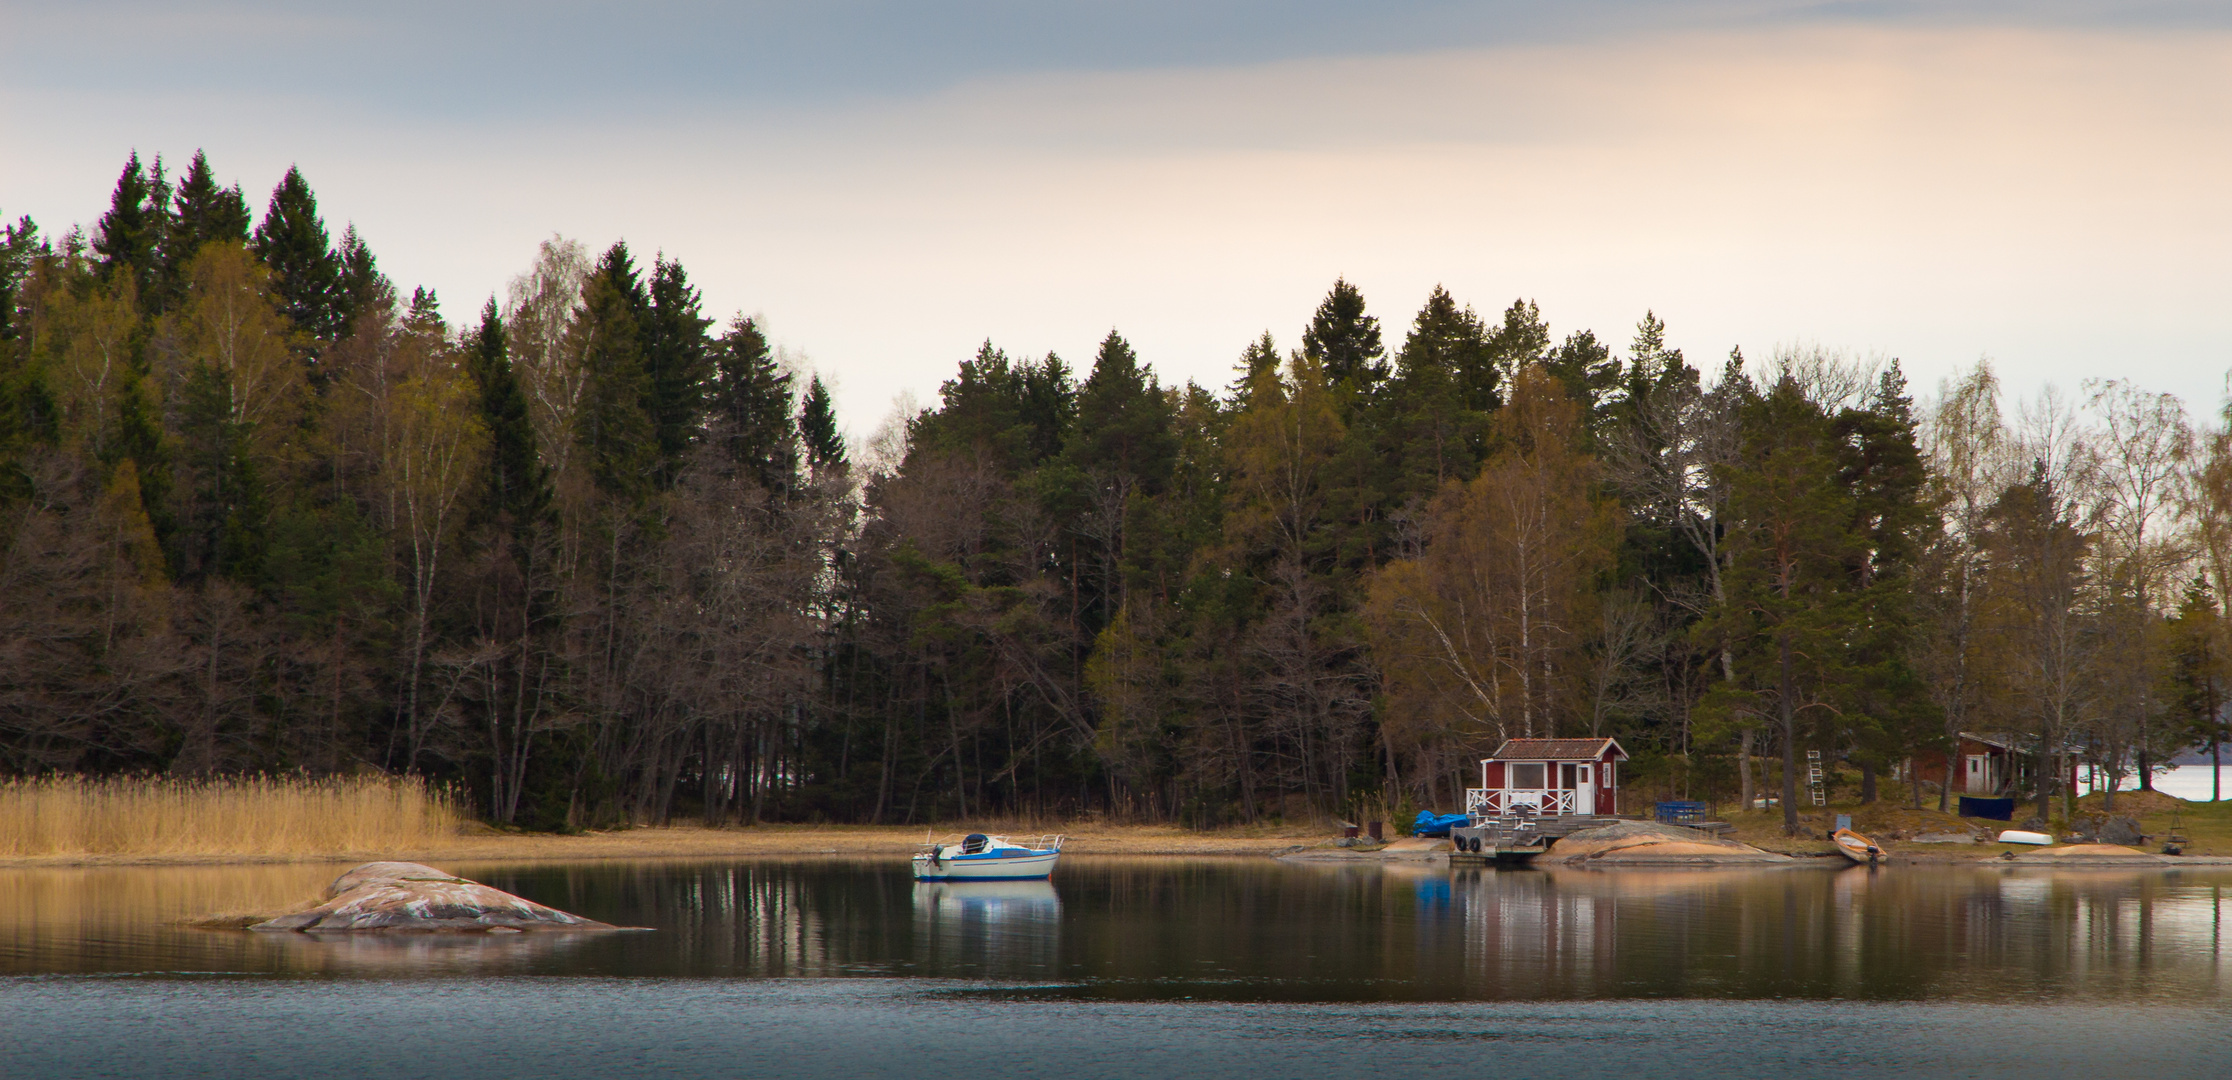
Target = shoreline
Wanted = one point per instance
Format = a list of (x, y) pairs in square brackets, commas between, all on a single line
[(780, 841), (697, 842)]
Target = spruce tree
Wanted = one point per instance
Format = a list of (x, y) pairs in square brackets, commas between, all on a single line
[(1443, 390), (201, 213), (1346, 342), (518, 496), (617, 436), (817, 429), (19, 243), (677, 355), (1123, 420), (750, 401), (359, 284), (127, 237), (305, 272)]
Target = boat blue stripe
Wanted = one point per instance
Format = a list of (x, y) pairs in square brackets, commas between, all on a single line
[(944, 877)]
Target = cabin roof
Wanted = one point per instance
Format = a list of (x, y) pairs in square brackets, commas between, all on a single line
[(1557, 750), (2013, 743)]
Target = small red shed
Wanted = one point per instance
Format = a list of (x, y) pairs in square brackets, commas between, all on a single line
[(1549, 776)]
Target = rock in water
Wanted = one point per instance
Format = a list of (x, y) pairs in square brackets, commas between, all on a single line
[(401, 896)]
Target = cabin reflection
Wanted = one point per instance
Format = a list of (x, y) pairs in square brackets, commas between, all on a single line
[(1887, 933)]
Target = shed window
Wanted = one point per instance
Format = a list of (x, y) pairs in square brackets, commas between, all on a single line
[(1526, 776)]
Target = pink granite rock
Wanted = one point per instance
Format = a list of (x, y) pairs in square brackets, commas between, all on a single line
[(401, 896)]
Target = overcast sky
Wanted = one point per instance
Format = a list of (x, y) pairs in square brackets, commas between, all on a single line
[(888, 184)]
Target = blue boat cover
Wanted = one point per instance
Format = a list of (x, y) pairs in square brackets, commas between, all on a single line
[(1433, 824)]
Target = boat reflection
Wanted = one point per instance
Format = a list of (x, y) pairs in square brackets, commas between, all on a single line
[(1006, 929)]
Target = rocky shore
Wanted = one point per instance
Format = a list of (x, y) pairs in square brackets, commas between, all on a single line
[(404, 897)]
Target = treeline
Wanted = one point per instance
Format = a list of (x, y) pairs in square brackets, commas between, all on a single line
[(598, 558)]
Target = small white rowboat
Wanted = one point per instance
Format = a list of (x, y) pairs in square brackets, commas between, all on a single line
[(2018, 836), (978, 857), (1856, 847)]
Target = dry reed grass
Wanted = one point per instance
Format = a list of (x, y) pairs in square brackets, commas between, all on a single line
[(269, 816)]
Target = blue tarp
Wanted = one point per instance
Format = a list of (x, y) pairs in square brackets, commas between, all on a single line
[(1433, 824), (1993, 809)]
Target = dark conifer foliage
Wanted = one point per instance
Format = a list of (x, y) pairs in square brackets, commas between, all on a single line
[(598, 561), (128, 238), (306, 272), (817, 428), (614, 426), (678, 357), (748, 406), (517, 494), (358, 283), (1346, 342), (202, 213)]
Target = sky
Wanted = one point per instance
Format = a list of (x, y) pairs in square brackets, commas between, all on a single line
[(888, 184)]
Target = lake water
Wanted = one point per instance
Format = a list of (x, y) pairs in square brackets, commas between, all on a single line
[(1163, 968)]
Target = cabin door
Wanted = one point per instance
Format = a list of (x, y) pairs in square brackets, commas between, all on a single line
[(1979, 774), (1584, 790)]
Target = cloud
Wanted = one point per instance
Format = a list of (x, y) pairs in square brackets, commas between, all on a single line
[(2046, 194)]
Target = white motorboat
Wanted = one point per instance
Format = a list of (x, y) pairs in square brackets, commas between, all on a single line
[(977, 857)]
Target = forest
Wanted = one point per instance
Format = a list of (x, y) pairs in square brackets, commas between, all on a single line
[(594, 556)]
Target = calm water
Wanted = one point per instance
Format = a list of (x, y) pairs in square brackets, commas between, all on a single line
[(1138, 968)]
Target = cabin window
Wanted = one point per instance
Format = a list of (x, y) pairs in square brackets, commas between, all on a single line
[(1583, 774), (1526, 776), (1565, 777)]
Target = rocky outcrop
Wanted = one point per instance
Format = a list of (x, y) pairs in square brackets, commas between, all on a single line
[(1648, 843), (404, 897)]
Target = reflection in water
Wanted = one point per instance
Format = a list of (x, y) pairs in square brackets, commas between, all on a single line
[(996, 929), (1236, 929)]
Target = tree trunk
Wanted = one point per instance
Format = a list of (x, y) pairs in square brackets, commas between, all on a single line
[(1867, 783), (1746, 790), (1789, 716)]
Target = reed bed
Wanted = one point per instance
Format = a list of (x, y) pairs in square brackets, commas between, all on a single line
[(254, 815)]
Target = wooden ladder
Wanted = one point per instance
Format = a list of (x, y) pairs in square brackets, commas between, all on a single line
[(1813, 778)]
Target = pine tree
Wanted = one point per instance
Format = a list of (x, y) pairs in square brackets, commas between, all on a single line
[(750, 400), (1790, 543), (306, 274), (817, 429), (1591, 375), (1345, 341), (677, 354), (128, 237), (1522, 340)]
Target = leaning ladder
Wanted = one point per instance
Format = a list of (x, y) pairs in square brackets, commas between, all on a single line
[(1813, 778)]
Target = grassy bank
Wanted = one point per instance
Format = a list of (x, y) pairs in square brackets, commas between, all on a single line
[(251, 816), (70, 820)]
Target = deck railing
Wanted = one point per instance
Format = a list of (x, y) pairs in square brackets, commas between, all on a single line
[(1505, 800)]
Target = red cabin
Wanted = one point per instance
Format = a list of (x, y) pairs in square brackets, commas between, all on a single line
[(1549, 776)]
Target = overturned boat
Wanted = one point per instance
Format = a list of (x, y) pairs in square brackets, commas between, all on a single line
[(978, 857)]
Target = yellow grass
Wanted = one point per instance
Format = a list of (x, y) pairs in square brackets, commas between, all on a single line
[(266, 816)]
